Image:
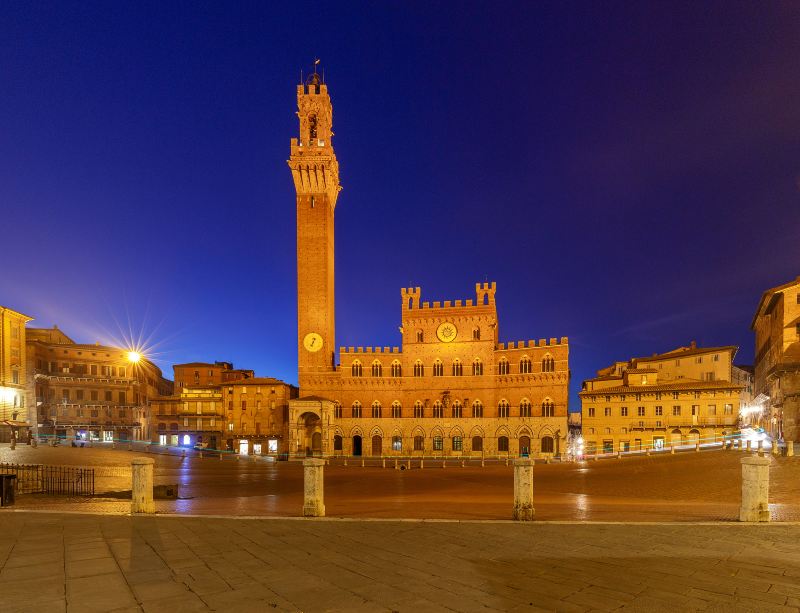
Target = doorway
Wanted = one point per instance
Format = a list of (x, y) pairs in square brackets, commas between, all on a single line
[(356, 445), (524, 446), (377, 445)]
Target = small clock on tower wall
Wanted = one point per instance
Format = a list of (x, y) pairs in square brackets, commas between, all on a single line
[(446, 332), (312, 342)]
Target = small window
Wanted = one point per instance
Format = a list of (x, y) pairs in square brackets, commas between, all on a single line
[(591, 411), (607, 412), (623, 412), (548, 408), (337, 442), (476, 334), (420, 336), (676, 410), (477, 443), (659, 411), (547, 444), (640, 411), (397, 443)]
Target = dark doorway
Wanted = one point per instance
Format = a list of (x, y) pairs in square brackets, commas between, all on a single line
[(356, 445), (524, 446)]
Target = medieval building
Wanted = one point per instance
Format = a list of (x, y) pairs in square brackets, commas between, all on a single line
[(451, 388)]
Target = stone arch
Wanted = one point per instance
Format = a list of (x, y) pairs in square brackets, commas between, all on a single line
[(376, 431), (477, 431), (356, 431), (456, 431), (417, 431), (503, 431), (437, 431), (546, 430), (523, 430)]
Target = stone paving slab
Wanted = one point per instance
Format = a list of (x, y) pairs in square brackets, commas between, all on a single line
[(82, 562)]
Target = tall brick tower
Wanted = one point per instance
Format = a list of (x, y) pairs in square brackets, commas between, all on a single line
[(315, 171)]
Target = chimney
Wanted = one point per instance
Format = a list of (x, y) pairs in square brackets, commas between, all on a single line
[(694, 344)]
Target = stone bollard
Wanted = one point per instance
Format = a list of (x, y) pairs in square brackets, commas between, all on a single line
[(130, 446), (748, 445), (444, 463), (523, 490), (220, 456), (789, 449), (142, 485), (408, 464), (462, 464), (345, 461), (619, 456), (384, 463), (760, 445), (422, 462), (313, 485), (775, 449), (647, 451), (362, 462), (697, 447), (200, 455), (483, 463), (506, 461), (596, 457), (183, 453), (13, 443), (755, 489), (672, 449), (34, 442), (395, 463)]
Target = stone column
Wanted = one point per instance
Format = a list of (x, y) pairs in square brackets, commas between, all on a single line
[(789, 449), (755, 489), (142, 485), (523, 489), (313, 480)]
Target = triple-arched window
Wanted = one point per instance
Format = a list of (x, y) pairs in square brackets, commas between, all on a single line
[(337, 410), (377, 369), (438, 409), (477, 409), (376, 409), (419, 369), (356, 369), (502, 367), (356, 409), (457, 409), (503, 408), (419, 410), (525, 408), (548, 364), (397, 369), (438, 368), (525, 366), (477, 367), (548, 408), (397, 410), (457, 368)]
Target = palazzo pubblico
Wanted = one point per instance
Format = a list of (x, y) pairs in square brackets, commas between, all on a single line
[(451, 388)]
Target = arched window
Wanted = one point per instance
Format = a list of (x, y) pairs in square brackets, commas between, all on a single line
[(437, 443), (548, 408), (525, 366), (397, 369), (456, 410), (376, 409), (525, 408), (477, 367), (458, 443), (438, 409), (356, 368), (419, 369), (419, 443), (547, 444), (438, 368), (420, 336), (312, 128), (502, 367), (477, 443), (419, 410), (356, 409), (397, 443), (377, 369), (162, 426), (476, 334), (477, 409), (502, 443), (503, 408), (548, 364), (457, 368), (337, 442), (337, 410), (397, 410)]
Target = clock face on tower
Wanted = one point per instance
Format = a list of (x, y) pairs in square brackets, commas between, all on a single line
[(446, 332), (312, 342)]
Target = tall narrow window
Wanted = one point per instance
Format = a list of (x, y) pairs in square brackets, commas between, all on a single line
[(356, 369), (503, 408), (420, 336), (337, 410), (502, 367), (477, 367), (438, 369), (312, 128), (419, 410), (525, 366), (476, 334), (438, 409)]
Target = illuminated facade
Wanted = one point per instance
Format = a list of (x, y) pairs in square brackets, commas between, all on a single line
[(14, 418), (89, 392), (451, 388), (245, 415), (680, 397), (776, 324)]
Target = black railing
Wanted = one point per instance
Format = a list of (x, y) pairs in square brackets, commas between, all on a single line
[(53, 480)]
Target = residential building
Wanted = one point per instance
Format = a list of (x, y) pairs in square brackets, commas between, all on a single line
[(196, 374), (90, 392), (776, 324), (14, 418), (680, 397)]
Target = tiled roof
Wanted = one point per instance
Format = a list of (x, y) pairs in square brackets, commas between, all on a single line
[(682, 352), (671, 386)]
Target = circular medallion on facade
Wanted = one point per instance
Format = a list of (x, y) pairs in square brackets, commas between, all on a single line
[(312, 342), (446, 332)]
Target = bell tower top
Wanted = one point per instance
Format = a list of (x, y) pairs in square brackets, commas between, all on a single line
[(312, 154)]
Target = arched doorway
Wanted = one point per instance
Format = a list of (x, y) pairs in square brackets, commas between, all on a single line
[(547, 444), (357, 445), (694, 436), (377, 445), (309, 427), (676, 437), (524, 445)]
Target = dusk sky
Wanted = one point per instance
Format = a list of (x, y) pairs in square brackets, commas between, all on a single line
[(627, 173)]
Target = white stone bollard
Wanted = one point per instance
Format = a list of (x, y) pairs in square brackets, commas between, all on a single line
[(672, 449), (748, 445), (755, 489), (789, 449), (313, 487), (345, 461), (523, 489), (408, 464), (362, 462), (142, 485), (775, 449), (697, 447)]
